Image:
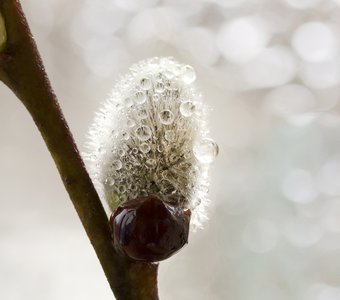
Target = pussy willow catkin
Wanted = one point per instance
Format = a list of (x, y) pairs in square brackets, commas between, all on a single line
[(150, 137)]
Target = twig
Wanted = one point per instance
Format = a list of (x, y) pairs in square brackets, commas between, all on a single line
[(21, 69)]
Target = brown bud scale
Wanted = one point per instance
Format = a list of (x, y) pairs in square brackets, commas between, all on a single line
[(148, 229)]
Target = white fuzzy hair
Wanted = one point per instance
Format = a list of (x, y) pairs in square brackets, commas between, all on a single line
[(150, 137)]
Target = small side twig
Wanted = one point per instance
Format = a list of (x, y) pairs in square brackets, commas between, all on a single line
[(21, 69)]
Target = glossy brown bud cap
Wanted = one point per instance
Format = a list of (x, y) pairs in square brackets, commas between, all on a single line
[(148, 229)]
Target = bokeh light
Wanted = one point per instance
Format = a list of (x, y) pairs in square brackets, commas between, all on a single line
[(242, 39), (315, 41), (303, 4)]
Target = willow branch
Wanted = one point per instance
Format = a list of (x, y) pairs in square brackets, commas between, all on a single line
[(22, 70)]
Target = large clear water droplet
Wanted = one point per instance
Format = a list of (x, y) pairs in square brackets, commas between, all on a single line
[(205, 150), (143, 133), (166, 117), (187, 108), (140, 97), (145, 84), (189, 74)]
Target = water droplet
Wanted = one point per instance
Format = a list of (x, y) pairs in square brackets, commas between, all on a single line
[(177, 70), (140, 97), (205, 150), (128, 166), (128, 102), (168, 74), (166, 117), (125, 135), (151, 163), (130, 123), (145, 84), (134, 195), (173, 157), (159, 148), (143, 133), (175, 94), (159, 77), (113, 133), (188, 75), (167, 187), (187, 108), (159, 88), (168, 84), (142, 114), (109, 181), (155, 97), (145, 148), (169, 135), (134, 150), (137, 163), (121, 152), (117, 164), (122, 189), (133, 187)]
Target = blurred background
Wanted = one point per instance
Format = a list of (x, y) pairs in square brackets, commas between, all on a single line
[(270, 71)]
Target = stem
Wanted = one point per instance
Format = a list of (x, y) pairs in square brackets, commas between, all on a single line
[(21, 69)]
